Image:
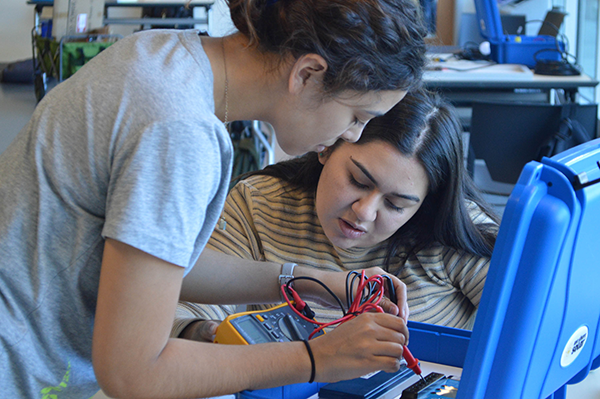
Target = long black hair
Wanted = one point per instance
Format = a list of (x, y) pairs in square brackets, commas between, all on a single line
[(425, 127)]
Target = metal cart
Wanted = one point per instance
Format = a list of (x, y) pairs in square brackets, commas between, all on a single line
[(55, 61), (61, 59)]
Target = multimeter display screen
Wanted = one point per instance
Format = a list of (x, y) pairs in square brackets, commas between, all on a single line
[(253, 333)]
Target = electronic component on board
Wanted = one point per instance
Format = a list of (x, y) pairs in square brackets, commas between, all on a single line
[(444, 388), (412, 392)]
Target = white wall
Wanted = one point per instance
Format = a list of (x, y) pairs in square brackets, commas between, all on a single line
[(220, 21), (16, 23), (532, 9)]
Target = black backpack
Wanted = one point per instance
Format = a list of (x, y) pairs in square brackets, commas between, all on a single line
[(570, 133)]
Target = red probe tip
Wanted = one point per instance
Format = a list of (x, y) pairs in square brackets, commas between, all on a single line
[(411, 362)]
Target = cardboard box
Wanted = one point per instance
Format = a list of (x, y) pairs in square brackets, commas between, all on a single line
[(76, 17)]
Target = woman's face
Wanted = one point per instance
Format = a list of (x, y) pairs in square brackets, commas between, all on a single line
[(309, 125), (367, 192)]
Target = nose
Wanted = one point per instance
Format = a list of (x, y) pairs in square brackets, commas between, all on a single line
[(353, 134), (365, 208)]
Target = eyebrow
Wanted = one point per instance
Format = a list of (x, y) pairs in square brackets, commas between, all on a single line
[(370, 176)]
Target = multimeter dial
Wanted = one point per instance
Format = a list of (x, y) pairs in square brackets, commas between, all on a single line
[(285, 330)]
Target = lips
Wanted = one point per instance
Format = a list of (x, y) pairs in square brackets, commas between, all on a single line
[(350, 230)]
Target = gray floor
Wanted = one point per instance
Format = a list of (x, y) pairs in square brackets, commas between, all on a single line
[(17, 103)]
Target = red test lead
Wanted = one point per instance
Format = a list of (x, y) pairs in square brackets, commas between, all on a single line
[(411, 362)]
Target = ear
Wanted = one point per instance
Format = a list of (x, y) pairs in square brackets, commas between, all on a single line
[(324, 156), (307, 68)]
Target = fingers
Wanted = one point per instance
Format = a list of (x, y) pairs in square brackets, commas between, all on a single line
[(200, 330), (370, 342), (390, 307), (401, 298), (390, 335), (394, 329), (400, 307), (208, 329)]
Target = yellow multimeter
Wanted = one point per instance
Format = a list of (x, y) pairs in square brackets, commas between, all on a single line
[(277, 324)]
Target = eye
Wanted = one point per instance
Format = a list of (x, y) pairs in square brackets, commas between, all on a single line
[(358, 121), (356, 183), (393, 207)]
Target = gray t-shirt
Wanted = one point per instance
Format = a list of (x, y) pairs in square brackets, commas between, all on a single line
[(128, 148)]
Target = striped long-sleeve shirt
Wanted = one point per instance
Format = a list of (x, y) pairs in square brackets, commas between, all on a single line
[(265, 218)]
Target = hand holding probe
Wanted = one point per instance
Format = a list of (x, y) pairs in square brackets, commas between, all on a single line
[(411, 362)]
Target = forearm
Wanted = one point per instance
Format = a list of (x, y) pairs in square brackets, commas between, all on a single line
[(222, 279), (186, 369), (133, 355), (191, 369), (240, 281)]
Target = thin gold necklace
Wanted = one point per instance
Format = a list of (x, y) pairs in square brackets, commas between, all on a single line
[(226, 82)]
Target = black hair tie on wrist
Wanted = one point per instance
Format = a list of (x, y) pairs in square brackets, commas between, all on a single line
[(312, 361)]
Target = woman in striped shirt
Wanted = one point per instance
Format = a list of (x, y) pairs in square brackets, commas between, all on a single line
[(400, 198)]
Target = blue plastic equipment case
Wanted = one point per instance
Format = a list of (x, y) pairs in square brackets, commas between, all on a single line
[(513, 49), (537, 328), (293, 391), (538, 323)]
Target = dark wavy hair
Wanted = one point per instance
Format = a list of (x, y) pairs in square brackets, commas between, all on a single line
[(423, 126), (369, 45)]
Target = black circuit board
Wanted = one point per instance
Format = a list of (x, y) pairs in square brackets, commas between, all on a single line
[(434, 385)]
